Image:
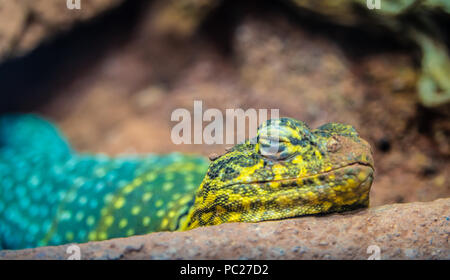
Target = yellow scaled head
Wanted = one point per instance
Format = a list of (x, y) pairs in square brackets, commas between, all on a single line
[(289, 170)]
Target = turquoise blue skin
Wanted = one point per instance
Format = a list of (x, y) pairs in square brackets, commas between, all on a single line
[(51, 195)]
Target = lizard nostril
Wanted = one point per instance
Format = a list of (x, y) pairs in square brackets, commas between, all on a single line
[(333, 145)]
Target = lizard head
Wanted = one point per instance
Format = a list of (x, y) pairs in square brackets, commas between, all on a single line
[(288, 170)]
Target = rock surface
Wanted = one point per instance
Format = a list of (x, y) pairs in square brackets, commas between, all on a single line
[(401, 231), (26, 23)]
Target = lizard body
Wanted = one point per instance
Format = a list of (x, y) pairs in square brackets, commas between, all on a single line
[(51, 195)]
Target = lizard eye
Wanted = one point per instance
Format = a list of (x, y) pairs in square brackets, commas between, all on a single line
[(281, 138), (272, 147)]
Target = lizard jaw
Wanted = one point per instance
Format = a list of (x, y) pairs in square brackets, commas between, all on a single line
[(345, 188)]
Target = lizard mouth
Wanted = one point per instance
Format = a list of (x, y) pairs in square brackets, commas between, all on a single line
[(341, 170)]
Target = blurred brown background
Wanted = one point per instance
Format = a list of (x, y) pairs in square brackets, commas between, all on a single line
[(111, 74)]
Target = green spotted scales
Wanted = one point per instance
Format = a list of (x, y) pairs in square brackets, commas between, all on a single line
[(52, 195)]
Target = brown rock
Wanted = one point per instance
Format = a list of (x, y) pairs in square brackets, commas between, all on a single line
[(401, 231), (25, 24)]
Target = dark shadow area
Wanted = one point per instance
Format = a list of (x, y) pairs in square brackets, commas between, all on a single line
[(28, 81), (356, 41), (219, 26)]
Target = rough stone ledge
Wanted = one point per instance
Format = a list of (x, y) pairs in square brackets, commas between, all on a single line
[(401, 231)]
